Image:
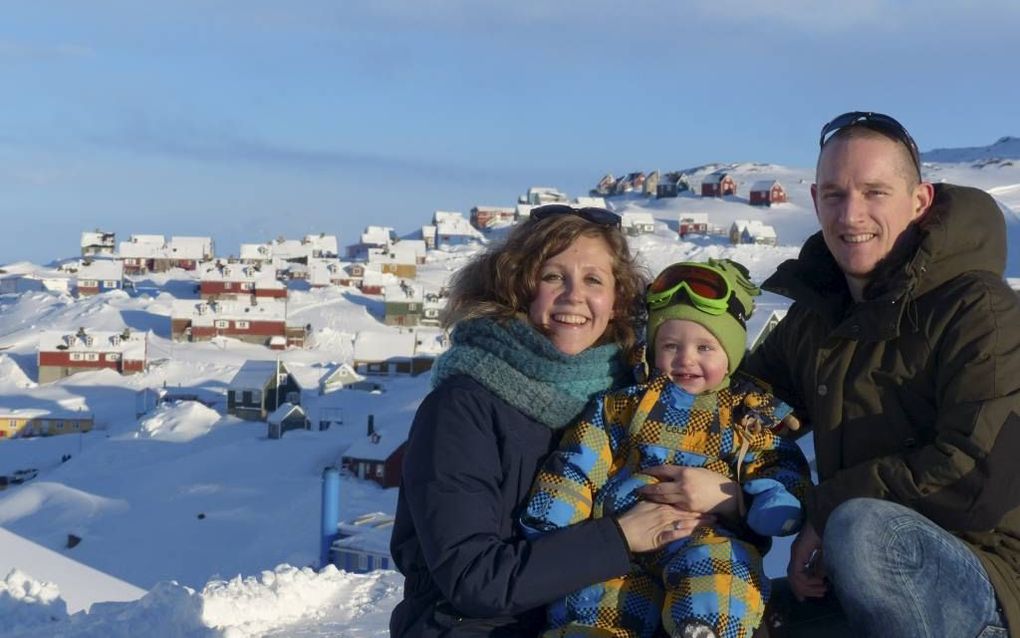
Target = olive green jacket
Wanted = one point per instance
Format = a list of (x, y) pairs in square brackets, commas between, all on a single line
[(913, 394)]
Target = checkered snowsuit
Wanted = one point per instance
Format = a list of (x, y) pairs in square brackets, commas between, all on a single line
[(713, 576)]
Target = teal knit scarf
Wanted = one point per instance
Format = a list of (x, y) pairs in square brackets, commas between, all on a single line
[(522, 367)]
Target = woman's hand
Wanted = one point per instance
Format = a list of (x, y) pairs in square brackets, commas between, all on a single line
[(694, 489), (648, 526)]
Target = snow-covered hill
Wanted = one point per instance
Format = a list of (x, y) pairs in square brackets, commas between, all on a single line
[(217, 522)]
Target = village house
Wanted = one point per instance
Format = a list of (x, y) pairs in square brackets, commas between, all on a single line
[(378, 456), (322, 391), (605, 186), (452, 229), (98, 242), (97, 276), (767, 192), (13, 283), (485, 217), (760, 325), (428, 235), (397, 259), (261, 321), (374, 280), (718, 185), (651, 184), (539, 195), (220, 279), (637, 223), (61, 354), (285, 418), (281, 250), (152, 253), (409, 304), (629, 183), (393, 353), (672, 184), (744, 231), (693, 223), (373, 237), (327, 272), (259, 388), (363, 544), (30, 421)]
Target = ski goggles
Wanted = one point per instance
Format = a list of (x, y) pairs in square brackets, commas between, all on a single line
[(705, 287), (593, 214), (876, 122)]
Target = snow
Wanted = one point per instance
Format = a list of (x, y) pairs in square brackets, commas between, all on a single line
[(193, 523)]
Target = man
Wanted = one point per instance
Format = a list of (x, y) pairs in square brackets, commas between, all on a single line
[(902, 352)]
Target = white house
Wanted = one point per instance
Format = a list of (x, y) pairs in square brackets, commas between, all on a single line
[(637, 223)]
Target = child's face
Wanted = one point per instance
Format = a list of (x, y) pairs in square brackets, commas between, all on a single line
[(691, 355)]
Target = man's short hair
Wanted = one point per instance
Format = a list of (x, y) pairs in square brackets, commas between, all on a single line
[(906, 167)]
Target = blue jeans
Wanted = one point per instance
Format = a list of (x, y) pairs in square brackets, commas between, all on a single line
[(896, 573)]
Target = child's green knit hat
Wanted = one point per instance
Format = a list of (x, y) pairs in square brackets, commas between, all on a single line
[(728, 327)]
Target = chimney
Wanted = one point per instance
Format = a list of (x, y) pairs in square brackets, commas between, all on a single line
[(371, 425)]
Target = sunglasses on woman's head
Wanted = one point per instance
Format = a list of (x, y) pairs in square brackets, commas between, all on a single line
[(593, 214), (876, 122), (704, 288)]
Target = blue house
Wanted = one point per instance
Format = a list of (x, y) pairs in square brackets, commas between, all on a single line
[(363, 544)]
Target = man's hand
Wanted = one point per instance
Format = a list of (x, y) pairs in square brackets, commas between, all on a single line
[(694, 489), (648, 526), (805, 571)]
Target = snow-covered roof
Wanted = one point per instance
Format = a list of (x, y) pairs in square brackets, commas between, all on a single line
[(253, 252), (404, 292), (694, 218), (751, 225), (194, 248), (393, 254), (254, 373), (763, 185), (634, 218), (155, 240), (323, 244), (524, 211), (761, 318), (455, 224), (372, 345), (130, 345), (322, 270), (104, 269), (373, 277), (97, 238), (382, 444), (219, 270), (45, 413), (714, 178), (592, 202), (284, 411), (377, 235), (135, 249), (428, 231), (204, 313), (368, 533)]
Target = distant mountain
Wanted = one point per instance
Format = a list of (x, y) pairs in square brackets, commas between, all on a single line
[(1006, 148)]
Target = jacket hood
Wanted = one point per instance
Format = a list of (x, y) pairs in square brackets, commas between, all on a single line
[(963, 230)]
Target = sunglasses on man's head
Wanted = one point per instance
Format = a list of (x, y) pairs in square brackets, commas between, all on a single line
[(593, 214), (876, 122)]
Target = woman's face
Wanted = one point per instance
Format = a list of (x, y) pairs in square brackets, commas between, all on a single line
[(573, 303)]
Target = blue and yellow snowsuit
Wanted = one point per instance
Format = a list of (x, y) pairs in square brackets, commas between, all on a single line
[(714, 576)]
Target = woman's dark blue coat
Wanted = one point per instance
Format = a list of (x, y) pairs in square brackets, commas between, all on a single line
[(469, 571)]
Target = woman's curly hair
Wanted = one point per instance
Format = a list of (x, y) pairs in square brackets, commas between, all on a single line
[(501, 282)]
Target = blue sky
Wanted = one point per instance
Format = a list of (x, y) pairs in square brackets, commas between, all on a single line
[(249, 120)]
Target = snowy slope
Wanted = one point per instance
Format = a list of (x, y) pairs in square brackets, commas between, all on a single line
[(214, 520)]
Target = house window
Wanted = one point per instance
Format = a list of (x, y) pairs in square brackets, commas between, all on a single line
[(113, 356), (88, 283), (228, 285), (77, 425), (111, 284), (411, 307), (76, 356), (92, 356), (222, 323), (242, 325), (246, 397), (246, 285), (431, 313), (362, 563), (379, 471)]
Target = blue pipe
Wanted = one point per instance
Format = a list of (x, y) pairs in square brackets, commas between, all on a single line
[(330, 511)]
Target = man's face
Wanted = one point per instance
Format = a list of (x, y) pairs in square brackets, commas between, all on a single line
[(864, 200)]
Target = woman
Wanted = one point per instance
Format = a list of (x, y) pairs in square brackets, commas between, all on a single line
[(543, 322)]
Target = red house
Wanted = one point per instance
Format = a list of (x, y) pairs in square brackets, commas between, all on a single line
[(766, 193), (262, 321), (718, 185), (379, 455), (63, 354), (223, 280)]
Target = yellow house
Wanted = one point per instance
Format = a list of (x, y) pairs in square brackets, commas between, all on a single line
[(40, 422)]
